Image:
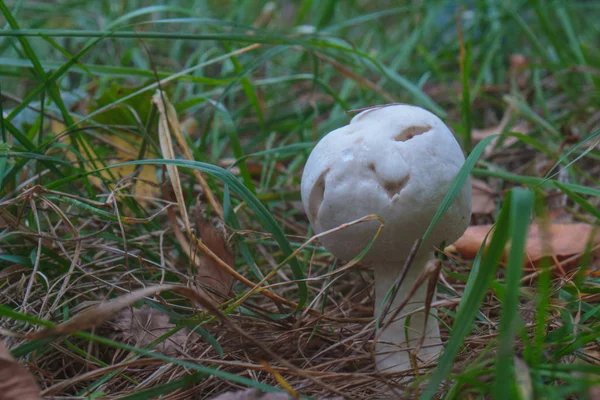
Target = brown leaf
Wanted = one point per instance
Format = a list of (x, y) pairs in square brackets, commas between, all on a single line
[(97, 315), (213, 235), (483, 198), (16, 383), (469, 243), (140, 326), (5, 353), (563, 241)]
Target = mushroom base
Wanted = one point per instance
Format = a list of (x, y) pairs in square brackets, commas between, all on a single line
[(401, 337)]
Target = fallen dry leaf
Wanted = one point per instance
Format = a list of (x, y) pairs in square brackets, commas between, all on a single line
[(16, 383), (168, 125), (469, 243), (483, 198), (146, 184), (97, 315), (140, 326), (5, 353), (564, 241), (213, 235), (168, 152)]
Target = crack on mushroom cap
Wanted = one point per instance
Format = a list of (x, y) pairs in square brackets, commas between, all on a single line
[(392, 188), (411, 132), (317, 195)]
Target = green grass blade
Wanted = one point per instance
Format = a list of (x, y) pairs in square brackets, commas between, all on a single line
[(3, 160), (465, 109), (469, 306), (579, 200), (566, 155), (535, 181), (37, 66), (521, 206)]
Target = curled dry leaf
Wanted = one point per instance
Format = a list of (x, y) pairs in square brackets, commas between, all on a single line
[(562, 241), (141, 326), (16, 383), (213, 235)]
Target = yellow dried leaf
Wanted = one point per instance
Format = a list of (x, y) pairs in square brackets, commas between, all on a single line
[(146, 184)]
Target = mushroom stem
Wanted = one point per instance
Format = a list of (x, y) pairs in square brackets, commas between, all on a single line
[(393, 347)]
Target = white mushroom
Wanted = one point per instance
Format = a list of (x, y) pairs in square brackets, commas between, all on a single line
[(397, 161)]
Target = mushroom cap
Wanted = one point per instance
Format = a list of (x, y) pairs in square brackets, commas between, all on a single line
[(396, 161)]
